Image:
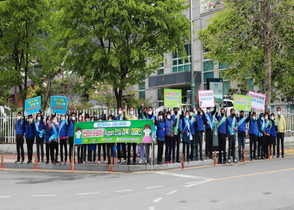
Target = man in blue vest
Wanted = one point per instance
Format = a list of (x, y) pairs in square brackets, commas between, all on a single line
[(222, 135), (199, 129), (120, 146), (20, 130), (209, 130), (231, 131), (70, 133), (30, 137), (242, 121), (176, 117)]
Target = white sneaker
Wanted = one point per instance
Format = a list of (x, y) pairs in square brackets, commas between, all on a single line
[(118, 162), (98, 162), (274, 157), (105, 162), (235, 161), (125, 162), (141, 161), (229, 161)]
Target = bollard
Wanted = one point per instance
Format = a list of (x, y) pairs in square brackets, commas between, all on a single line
[(243, 155), (2, 162), (72, 166), (36, 164), (268, 152), (183, 161), (111, 165), (214, 158)]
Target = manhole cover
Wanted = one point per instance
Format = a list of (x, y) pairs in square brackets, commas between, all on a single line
[(267, 193), (182, 201), (213, 201)]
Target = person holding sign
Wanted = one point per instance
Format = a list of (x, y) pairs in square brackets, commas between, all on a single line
[(242, 121), (222, 135), (209, 126), (19, 131), (199, 129), (30, 137), (187, 135), (281, 125), (231, 131)]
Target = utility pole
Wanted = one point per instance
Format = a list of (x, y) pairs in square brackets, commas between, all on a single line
[(192, 56)]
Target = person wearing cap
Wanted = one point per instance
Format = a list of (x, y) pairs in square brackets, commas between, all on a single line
[(40, 131), (209, 130), (19, 130), (241, 124), (281, 131), (199, 129), (63, 138), (30, 137), (222, 136)]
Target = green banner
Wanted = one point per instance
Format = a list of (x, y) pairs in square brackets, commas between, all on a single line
[(242, 102), (131, 131), (172, 98)]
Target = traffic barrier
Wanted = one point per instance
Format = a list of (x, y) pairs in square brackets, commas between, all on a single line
[(36, 163), (268, 152), (111, 165), (72, 166), (2, 162), (243, 155), (214, 158), (183, 161)]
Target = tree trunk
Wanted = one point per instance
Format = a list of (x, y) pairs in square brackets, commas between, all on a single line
[(118, 96)]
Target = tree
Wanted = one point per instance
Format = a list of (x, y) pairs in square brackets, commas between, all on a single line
[(22, 26), (256, 39), (120, 42)]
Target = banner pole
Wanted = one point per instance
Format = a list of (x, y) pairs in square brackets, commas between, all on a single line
[(152, 156)]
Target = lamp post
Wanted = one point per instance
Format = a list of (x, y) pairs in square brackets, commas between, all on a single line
[(192, 57)]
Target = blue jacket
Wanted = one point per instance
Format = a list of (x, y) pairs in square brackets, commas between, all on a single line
[(253, 127), (242, 127), (160, 129), (186, 125), (223, 127), (70, 128), (19, 127), (167, 124), (30, 130), (193, 124), (180, 128), (273, 131), (266, 128), (151, 117), (40, 127), (118, 117), (230, 125), (200, 119), (210, 115), (49, 132), (63, 129)]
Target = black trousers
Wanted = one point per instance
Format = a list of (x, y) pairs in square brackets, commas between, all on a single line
[(63, 145), (176, 148), (232, 146), (99, 151), (267, 141), (54, 150), (49, 152), (134, 152), (280, 140), (253, 139), (221, 147), (110, 152), (71, 149), (90, 152), (273, 145), (80, 153), (30, 143), (260, 149), (198, 139), (193, 148), (208, 142), (123, 145), (19, 147), (160, 145), (40, 147), (186, 146)]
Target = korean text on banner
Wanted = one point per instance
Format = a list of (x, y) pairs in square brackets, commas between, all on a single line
[(242, 102), (32, 105), (172, 98), (132, 131), (258, 100), (58, 104), (206, 98)]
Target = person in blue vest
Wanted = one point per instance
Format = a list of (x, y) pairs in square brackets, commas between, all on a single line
[(264, 131), (40, 131), (102, 145), (30, 137), (187, 135), (70, 133), (91, 147), (169, 136), (209, 126), (63, 138), (54, 139), (160, 133), (231, 133), (253, 134), (199, 129), (147, 145), (242, 121), (267, 132), (48, 134), (193, 141), (120, 146), (142, 115), (222, 136), (19, 131), (177, 118), (273, 136)]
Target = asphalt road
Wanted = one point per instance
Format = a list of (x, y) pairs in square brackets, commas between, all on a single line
[(267, 184)]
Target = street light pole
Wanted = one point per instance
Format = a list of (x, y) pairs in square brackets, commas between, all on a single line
[(192, 56)]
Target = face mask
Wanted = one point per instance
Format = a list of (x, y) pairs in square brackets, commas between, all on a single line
[(208, 111), (30, 120), (62, 118), (73, 118), (38, 118), (131, 112), (150, 112), (266, 117), (54, 121), (241, 116), (100, 120), (119, 112), (233, 115), (191, 113), (187, 116), (48, 121), (176, 112), (279, 113), (168, 116), (254, 118), (160, 117), (222, 114), (262, 118), (110, 119), (198, 112), (18, 117), (272, 118)]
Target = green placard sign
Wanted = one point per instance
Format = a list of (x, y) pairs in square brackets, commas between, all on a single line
[(133, 131), (242, 102), (172, 98)]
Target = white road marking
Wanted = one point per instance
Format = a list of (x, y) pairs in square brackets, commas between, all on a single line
[(43, 195), (129, 190), (172, 192), (89, 193), (5, 196), (197, 183), (151, 208), (181, 175), (154, 187), (157, 200)]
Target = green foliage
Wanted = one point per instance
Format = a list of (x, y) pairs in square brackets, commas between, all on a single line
[(120, 42)]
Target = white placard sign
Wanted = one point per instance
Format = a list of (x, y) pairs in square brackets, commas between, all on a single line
[(258, 100), (206, 98)]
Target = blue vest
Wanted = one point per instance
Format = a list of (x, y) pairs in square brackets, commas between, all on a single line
[(63, 129), (223, 127), (70, 132), (200, 123), (273, 131), (253, 127), (19, 127), (30, 130), (160, 132), (242, 127), (49, 133)]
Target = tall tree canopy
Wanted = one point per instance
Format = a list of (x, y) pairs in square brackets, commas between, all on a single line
[(256, 38), (120, 42)]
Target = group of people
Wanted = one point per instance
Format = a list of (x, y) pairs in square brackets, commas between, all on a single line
[(57, 132)]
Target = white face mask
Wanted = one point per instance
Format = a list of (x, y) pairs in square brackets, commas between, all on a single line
[(73, 118), (266, 117), (150, 112), (187, 116), (119, 112), (110, 119), (168, 116), (54, 121), (131, 112), (18, 117), (208, 111), (272, 118), (160, 117), (262, 118), (62, 118), (191, 113), (30, 120), (279, 113), (38, 118), (254, 118)]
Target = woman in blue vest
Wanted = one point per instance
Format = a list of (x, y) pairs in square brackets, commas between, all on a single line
[(30, 137), (40, 131), (63, 138), (242, 121), (253, 134), (273, 136), (169, 136), (160, 123), (222, 136), (187, 135), (54, 139), (70, 133), (48, 134), (199, 129)]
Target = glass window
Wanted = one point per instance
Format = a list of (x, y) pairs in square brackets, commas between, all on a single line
[(226, 87), (160, 94), (182, 63), (208, 66), (142, 95), (208, 75), (142, 85), (161, 69)]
